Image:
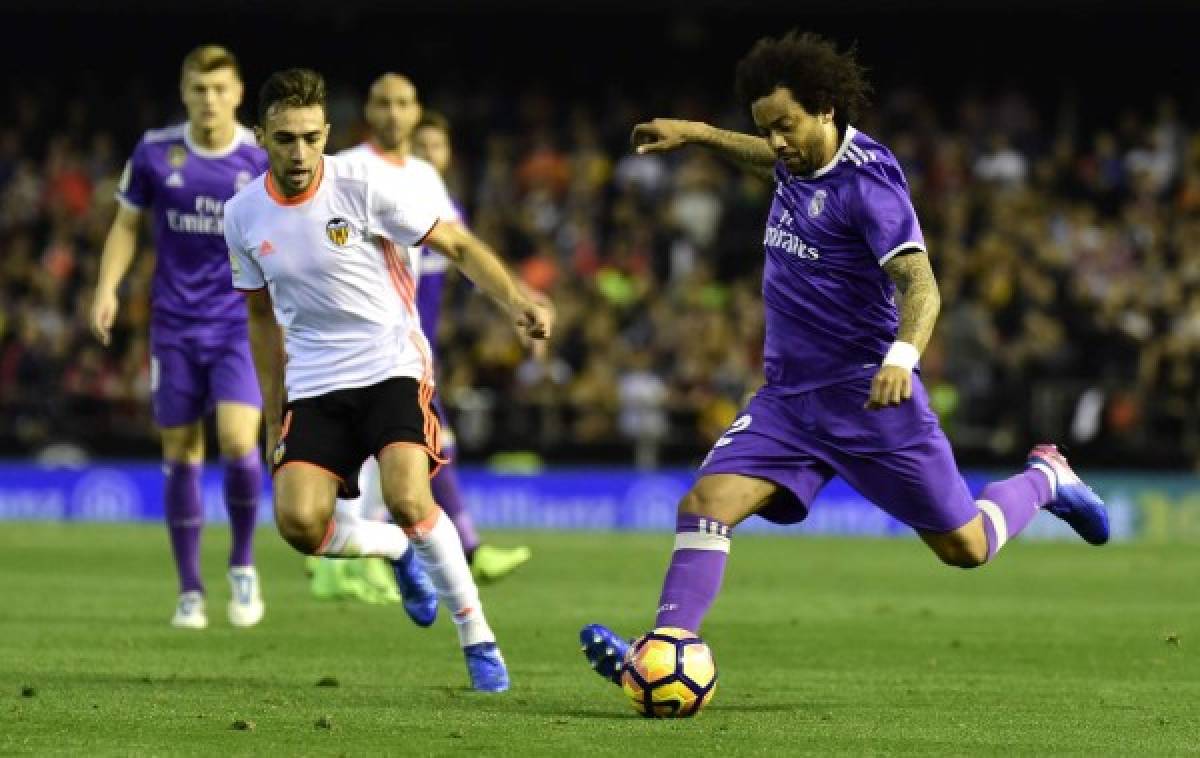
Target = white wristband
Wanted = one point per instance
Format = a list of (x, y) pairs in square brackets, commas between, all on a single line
[(902, 354)]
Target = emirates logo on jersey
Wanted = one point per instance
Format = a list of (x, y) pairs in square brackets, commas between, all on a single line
[(338, 231)]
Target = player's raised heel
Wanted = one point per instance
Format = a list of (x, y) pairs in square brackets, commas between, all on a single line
[(1073, 501), (245, 601), (486, 666), (605, 651), (189, 611), (420, 596)]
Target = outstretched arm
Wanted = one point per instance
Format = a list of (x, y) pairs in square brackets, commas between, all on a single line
[(919, 306), (752, 154), (483, 267)]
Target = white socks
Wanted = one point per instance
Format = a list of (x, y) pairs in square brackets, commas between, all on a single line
[(360, 526), (353, 532), (436, 542), (353, 537)]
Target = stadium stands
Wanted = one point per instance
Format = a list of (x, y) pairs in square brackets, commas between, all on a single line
[(1068, 257)]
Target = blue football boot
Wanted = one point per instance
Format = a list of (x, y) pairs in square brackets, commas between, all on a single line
[(1071, 499), (486, 666), (605, 651), (418, 592)]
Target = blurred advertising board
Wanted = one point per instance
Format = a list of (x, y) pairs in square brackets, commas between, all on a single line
[(1156, 507)]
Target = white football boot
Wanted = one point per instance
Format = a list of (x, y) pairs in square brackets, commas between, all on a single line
[(189, 612), (245, 601)]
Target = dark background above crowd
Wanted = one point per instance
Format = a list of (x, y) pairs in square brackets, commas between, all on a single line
[(1053, 157)]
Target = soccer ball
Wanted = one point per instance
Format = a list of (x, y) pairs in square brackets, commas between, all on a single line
[(669, 673)]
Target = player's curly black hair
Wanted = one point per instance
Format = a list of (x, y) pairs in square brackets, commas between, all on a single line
[(819, 77), (295, 87)]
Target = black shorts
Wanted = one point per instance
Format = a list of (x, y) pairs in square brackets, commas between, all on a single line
[(337, 431)]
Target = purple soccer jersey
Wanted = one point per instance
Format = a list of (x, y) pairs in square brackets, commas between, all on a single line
[(198, 336), (431, 284), (830, 308), (831, 316), (184, 187)]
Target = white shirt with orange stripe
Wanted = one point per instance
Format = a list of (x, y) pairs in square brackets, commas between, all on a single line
[(341, 291), (425, 179)]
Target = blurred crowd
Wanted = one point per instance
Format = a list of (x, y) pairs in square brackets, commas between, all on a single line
[(1067, 251)]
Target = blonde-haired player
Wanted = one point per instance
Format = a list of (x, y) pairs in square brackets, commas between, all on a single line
[(200, 356)]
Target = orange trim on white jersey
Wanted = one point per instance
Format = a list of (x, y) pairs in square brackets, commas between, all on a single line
[(304, 196), (406, 288), (401, 277)]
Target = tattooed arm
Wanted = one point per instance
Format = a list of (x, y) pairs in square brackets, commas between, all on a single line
[(919, 297), (919, 306), (752, 154)]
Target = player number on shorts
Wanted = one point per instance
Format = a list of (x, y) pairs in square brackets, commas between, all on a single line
[(739, 425)]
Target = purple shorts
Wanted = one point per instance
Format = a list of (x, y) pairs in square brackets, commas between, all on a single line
[(193, 370), (898, 458)]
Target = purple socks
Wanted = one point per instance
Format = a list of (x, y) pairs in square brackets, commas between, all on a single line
[(697, 567), (1009, 505), (243, 485), (447, 494), (185, 516)]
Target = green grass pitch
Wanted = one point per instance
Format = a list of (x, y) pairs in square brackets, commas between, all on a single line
[(824, 647)]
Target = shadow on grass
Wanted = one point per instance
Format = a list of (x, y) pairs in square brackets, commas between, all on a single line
[(619, 713)]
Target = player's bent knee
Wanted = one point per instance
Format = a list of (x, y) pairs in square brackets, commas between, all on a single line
[(303, 531), (408, 508)]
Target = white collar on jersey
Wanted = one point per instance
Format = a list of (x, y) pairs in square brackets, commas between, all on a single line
[(239, 137), (823, 170)]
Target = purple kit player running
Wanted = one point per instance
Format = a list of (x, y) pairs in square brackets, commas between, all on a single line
[(200, 356), (841, 396)]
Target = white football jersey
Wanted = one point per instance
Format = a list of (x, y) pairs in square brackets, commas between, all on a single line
[(342, 292), (423, 178)]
